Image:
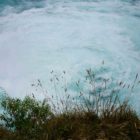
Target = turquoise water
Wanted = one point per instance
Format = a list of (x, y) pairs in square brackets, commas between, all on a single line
[(37, 37)]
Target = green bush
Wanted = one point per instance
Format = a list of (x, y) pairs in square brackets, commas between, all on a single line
[(25, 117)]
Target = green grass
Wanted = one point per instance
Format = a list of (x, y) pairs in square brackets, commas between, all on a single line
[(91, 116), (122, 123)]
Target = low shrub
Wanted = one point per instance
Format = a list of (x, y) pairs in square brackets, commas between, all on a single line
[(25, 117)]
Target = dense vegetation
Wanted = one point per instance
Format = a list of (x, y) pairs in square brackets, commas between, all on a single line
[(94, 117)]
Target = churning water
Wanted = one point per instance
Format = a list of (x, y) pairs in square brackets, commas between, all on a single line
[(38, 36)]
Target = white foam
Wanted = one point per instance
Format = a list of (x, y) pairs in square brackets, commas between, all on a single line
[(71, 36)]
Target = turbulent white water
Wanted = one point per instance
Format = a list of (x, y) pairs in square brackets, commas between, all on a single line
[(71, 35)]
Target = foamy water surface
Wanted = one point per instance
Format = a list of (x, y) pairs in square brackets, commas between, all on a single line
[(71, 35)]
